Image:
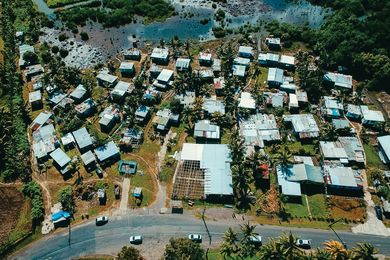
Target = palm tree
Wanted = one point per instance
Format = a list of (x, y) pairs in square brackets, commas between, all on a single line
[(283, 157), (180, 83), (364, 251), (229, 245), (241, 185), (288, 246), (271, 251), (336, 250), (329, 133), (188, 116), (237, 150), (322, 254), (247, 248)]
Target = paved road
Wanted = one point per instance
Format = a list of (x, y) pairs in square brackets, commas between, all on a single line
[(108, 239)]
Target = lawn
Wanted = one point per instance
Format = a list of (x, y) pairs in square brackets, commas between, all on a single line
[(262, 77), (297, 210), (372, 156), (318, 206), (213, 254), (226, 136), (346, 208), (302, 149)]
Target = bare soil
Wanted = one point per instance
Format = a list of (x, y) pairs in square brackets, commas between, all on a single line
[(11, 204)]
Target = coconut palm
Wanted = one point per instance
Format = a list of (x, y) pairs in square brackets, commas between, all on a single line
[(322, 254), (283, 157), (247, 248), (241, 186), (336, 250), (329, 133), (237, 150), (180, 84), (229, 245), (287, 244), (271, 251), (364, 251)]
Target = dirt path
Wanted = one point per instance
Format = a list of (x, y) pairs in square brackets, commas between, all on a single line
[(125, 195)]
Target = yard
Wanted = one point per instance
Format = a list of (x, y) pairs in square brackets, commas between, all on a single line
[(372, 156), (59, 3), (350, 209)]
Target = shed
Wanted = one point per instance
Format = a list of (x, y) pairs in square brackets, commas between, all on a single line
[(107, 152), (78, 93), (239, 71), (160, 55), (182, 64), (106, 80), (245, 52), (127, 68), (205, 59), (275, 77), (177, 206), (137, 192), (88, 158)]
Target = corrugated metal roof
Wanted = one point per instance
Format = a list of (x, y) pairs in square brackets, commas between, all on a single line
[(88, 158), (60, 157), (384, 141), (82, 137), (106, 151), (275, 75)]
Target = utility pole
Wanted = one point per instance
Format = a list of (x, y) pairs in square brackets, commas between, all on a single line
[(342, 242)]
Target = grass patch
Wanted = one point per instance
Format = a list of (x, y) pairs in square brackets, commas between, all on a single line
[(296, 209), (226, 136), (318, 206), (214, 254), (262, 77), (302, 149), (372, 156), (59, 3), (351, 209)]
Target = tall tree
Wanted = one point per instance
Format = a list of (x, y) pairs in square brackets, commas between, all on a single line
[(230, 243), (364, 251), (129, 252), (336, 250), (183, 248), (287, 244)]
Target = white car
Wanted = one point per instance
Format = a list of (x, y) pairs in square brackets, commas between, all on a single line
[(304, 243), (255, 240), (136, 239), (101, 220), (195, 238)]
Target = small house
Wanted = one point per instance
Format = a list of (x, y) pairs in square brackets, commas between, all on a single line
[(205, 59), (32, 71), (35, 99), (245, 52), (55, 98), (293, 104), (44, 118), (211, 106), (38, 85), (268, 59), (131, 137), (287, 62), (246, 101), (353, 112), (273, 43), (332, 107), (68, 141), (384, 148), (242, 61), (275, 77), (22, 50), (160, 56), (127, 69), (186, 99), (89, 160), (259, 129), (61, 160), (207, 74), (83, 139), (78, 94), (132, 54), (275, 99), (339, 81), (239, 71), (106, 80), (304, 125), (302, 97), (206, 132), (371, 117), (219, 84), (120, 90), (137, 193), (339, 124), (142, 114), (216, 67), (163, 79), (108, 118), (101, 194), (154, 71), (86, 108), (107, 153), (44, 142), (340, 179), (152, 95), (288, 87), (164, 119), (182, 64)]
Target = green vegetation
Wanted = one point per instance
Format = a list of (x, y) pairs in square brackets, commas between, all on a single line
[(372, 156), (59, 3), (34, 192), (65, 196), (118, 12), (129, 252), (183, 248)]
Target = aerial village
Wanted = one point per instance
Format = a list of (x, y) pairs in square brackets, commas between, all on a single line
[(181, 116)]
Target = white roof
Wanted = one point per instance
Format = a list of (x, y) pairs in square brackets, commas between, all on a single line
[(293, 100), (286, 59), (160, 53), (239, 70), (384, 141), (125, 65), (242, 61), (34, 96), (107, 77), (121, 88), (342, 176), (165, 75), (182, 63), (245, 49), (333, 150), (247, 101), (205, 56), (372, 115), (67, 139)]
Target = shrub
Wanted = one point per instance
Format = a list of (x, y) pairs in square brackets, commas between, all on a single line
[(64, 53), (55, 49), (62, 37), (84, 36)]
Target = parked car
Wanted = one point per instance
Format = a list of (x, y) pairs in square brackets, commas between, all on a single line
[(378, 212), (101, 220), (195, 237), (304, 243), (136, 239), (255, 240)]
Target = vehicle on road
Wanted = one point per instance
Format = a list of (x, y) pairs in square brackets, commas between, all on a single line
[(195, 238), (304, 243), (136, 239), (101, 220), (255, 240), (378, 212)]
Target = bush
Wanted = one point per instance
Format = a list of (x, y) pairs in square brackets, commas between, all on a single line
[(30, 57), (84, 36), (64, 53), (62, 37), (55, 49)]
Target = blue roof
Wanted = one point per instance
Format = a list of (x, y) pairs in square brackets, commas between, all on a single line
[(59, 215), (60, 157), (106, 151), (82, 137)]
